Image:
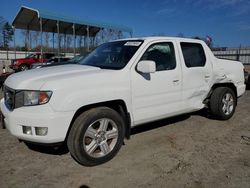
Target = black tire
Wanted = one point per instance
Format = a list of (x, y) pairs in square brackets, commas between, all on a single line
[(220, 109), (90, 120), (23, 67)]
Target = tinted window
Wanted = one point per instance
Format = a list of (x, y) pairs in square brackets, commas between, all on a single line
[(162, 54), (48, 56), (193, 54)]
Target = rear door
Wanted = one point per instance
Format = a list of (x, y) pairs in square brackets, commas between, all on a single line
[(197, 74), (157, 95)]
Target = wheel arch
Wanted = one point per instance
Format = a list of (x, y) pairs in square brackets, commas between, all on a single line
[(216, 85), (25, 63), (117, 105)]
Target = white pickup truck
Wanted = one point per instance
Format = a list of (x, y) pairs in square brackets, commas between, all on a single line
[(92, 106)]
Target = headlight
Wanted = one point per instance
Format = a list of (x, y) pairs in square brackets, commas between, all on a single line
[(31, 98)]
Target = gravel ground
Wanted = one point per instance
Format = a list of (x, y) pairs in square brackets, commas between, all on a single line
[(185, 151)]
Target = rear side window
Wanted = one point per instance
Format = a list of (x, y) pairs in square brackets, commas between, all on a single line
[(48, 56), (194, 55)]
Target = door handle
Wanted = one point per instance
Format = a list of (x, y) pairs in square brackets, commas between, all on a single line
[(176, 81), (207, 76)]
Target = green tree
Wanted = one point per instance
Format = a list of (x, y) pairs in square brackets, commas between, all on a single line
[(1, 30), (7, 34)]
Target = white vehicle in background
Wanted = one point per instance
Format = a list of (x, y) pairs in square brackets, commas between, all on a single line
[(92, 106)]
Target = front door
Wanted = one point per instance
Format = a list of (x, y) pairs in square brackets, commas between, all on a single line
[(157, 95)]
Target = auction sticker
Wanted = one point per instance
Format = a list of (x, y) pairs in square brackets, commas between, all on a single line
[(132, 43)]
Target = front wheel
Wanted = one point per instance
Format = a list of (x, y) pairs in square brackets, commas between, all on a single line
[(23, 67), (223, 103), (96, 136)]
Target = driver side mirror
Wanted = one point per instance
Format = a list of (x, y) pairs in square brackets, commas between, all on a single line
[(146, 66)]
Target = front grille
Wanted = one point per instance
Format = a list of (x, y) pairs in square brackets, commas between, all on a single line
[(9, 97)]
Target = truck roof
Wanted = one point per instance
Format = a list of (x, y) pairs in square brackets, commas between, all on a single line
[(153, 38)]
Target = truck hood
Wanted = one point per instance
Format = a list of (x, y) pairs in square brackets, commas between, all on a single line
[(21, 59), (35, 79)]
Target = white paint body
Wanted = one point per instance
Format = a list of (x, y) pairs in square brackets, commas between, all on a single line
[(163, 94)]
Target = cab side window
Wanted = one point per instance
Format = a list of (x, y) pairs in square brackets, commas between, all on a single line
[(48, 56), (194, 55), (162, 54)]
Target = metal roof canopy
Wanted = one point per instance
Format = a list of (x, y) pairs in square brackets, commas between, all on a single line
[(29, 18), (44, 21)]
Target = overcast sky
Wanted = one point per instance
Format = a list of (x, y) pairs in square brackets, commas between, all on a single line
[(226, 21)]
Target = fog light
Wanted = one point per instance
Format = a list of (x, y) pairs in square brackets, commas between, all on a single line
[(41, 131), (27, 130)]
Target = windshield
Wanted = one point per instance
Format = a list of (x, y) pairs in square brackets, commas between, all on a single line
[(30, 56), (112, 55)]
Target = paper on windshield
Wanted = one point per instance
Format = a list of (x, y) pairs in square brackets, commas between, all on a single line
[(132, 43)]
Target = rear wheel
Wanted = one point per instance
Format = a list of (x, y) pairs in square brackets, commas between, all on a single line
[(222, 103), (96, 136)]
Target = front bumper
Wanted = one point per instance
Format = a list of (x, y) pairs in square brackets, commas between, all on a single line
[(14, 67), (241, 90), (37, 116)]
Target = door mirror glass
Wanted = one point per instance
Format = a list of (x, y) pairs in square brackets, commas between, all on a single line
[(146, 66)]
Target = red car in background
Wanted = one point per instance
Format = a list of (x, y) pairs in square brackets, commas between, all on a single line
[(25, 63)]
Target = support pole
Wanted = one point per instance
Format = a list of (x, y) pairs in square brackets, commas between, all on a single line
[(14, 39), (58, 42), (84, 42), (53, 40), (74, 36), (30, 42), (64, 44), (80, 44), (41, 34), (87, 38)]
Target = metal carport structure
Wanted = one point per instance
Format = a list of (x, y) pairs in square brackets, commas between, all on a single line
[(44, 21)]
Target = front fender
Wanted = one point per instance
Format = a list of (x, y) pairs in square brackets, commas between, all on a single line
[(72, 101)]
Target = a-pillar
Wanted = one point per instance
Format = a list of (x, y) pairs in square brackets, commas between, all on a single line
[(41, 35)]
